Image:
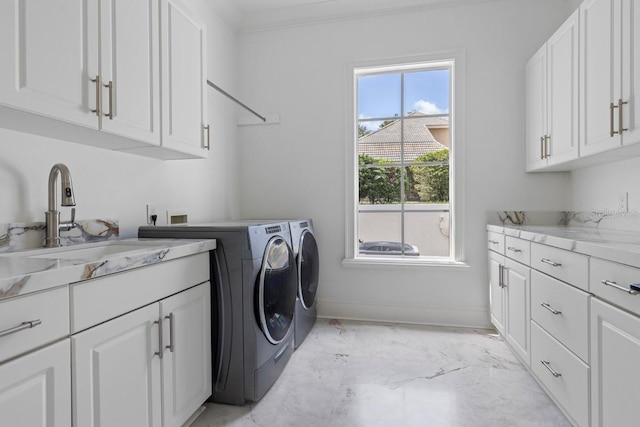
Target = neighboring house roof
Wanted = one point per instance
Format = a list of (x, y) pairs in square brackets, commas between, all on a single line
[(384, 143)]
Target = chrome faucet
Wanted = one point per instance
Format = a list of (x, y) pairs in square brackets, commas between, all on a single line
[(52, 216)]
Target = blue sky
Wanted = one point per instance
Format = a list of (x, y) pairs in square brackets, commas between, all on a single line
[(425, 91)]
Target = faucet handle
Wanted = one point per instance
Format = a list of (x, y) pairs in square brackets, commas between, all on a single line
[(73, 215)]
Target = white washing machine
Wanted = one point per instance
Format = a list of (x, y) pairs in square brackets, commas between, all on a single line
[(305, 251), (255, 277)]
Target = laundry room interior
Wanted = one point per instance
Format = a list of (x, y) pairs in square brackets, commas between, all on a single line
[(539, 224)]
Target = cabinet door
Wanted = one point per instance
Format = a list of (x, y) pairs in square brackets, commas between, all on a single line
[(130, 65), (186, 363), (116, 372), (44, 59), (536, 106), (600, 79), (517, 308), (615, 373), (562, 90), (496, 291), (631, 71), (183, 79), (35, 390)]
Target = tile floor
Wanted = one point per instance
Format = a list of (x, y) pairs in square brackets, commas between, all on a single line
[(361, 374)]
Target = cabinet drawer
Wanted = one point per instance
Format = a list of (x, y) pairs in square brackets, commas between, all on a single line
[(567, 266), (618, 277), (50, 307), (561, 310), (569, 381), (98, 300), (518, 249), (495, 242)]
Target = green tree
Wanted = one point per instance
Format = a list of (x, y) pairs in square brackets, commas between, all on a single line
[(432, 182), (362, 130), (378, 184)]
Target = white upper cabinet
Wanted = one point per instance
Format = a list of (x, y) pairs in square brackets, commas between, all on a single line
[(99, 72), (184, 80), (44, 59), (552, 99), (127, 63), (609, 78)]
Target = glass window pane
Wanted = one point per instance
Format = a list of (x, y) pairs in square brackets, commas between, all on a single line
[(428, 230), (429, 184), (380, 231), (427, 92), (378, 97), (378, 184)]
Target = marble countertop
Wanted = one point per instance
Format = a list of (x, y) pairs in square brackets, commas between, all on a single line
[(613, 245), (28, 271)]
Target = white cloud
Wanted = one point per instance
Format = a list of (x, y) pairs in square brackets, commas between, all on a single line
[(427, 107)]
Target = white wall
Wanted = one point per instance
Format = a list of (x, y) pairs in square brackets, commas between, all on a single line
[(300, 73), (597, 189), (114, 185)]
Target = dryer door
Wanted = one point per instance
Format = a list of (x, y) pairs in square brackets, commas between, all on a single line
[(276, 290), (308, 266)]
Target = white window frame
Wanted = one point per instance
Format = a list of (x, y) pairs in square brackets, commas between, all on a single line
[(457, 150)]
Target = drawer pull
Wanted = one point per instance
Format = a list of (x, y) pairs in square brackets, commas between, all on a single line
[(548, 366), (21, 327), (548, 307), (613, 284), (516, 250), (493, 242), (551, 263)]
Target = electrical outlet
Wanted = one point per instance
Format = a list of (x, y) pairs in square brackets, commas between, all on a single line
[(623, 201), (151, 210)]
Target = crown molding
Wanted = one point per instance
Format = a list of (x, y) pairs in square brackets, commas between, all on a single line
[(321, 12)]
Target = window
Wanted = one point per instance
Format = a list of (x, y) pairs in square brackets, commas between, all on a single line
[(403, 163)]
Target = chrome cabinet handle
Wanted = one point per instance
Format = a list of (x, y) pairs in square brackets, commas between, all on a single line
[(501, 277), (613, 284), (546, 146), (542, 148), (98, 95), (548, 307), (612, 106), (493, 242), (514, 249), (160, 346), (171, 318), (620, 116), (551, 263), (208, 129), (110, 87), (21, 327), (548, 366)]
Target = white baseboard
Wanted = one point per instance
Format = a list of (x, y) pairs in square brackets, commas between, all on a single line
[(467, 317)]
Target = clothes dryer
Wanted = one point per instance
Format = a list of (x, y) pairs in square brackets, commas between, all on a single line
[(254, 273), (305, 251)]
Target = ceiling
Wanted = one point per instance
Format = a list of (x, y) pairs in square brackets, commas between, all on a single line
[(258, 15)]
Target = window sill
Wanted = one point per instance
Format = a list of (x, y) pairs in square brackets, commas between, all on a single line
[(403, 262)]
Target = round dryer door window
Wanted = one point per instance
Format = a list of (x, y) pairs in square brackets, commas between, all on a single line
[(308, 266), (276, 291)]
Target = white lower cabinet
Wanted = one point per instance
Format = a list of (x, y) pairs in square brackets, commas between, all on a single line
[(615, 356), (186, 363), (563, 373), (497, 293), (35, 390), (517, 308), (150, 367)]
